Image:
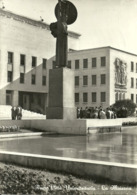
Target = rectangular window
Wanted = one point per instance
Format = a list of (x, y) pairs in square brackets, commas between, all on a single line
[(76, 97), (85, 97), (76, 64), (44, 63), (43, 80), (22, 60), (85, 63), (9, 78), (103, 79), (132, 82), (33, 79), (76, 80), (34, 61), (94, 62), (10, 58), (21, 77), (85, 80), (132, 66), (94, 97), (103, 61), (69, 64), (94, 79), (103, 96), (132, 97)]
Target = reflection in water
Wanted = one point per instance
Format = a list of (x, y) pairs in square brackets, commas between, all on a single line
[(114, 147)]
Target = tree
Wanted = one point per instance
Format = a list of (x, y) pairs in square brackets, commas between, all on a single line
[(124, 108)]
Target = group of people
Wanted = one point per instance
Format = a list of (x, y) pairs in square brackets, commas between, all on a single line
[(97, 112), (16, 112)]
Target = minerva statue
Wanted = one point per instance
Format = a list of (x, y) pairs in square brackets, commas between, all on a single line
[(66, 14)]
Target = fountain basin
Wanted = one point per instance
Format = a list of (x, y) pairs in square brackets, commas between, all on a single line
[(124, 173)]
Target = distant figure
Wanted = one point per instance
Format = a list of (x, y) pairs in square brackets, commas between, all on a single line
[(108, 114), (13, 113), (96, 112), (102, 114), (81, 113), (19, 112), (99, 110), (111, 114), (78, 112), (92, 112), (88, 113)]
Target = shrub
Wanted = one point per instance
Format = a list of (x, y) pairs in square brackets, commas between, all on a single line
[(124, 108), (22, 181)]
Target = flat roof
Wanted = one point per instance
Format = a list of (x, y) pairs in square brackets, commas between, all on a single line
[(33, 22), (105, 47)]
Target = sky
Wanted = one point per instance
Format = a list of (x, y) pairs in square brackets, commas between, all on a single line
[(100, 22)]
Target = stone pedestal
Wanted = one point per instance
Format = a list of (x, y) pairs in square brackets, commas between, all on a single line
[(61, 94)]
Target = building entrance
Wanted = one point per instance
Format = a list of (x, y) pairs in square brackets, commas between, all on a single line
[(36, 102), (8, 97)]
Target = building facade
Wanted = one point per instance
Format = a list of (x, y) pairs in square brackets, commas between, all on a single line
[(103, 76), (25, 46)]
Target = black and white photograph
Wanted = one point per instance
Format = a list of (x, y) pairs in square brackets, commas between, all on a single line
[(68, 97)]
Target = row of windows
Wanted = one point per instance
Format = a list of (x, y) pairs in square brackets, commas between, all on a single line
[(85, 63), (132, 83), (23, 60), (22, 78), (93, 80), (121, 96), (93, 97), (132, 67), (93, 63), (118, 96)]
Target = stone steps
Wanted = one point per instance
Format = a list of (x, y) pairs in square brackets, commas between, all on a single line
[(5, 114)]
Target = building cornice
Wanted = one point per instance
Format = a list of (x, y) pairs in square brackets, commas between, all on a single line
[(39, 24), (98, 48), (23, 19)]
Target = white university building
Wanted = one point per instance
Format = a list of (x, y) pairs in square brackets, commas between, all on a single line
[(102, 75)]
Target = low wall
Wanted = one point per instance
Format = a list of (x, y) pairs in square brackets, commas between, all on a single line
[(61, 126), (108, 122), (86, 168), (21, 123), (103, 122), (78, 126)]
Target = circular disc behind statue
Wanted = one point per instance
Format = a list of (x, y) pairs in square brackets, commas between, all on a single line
[(70, 9)]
